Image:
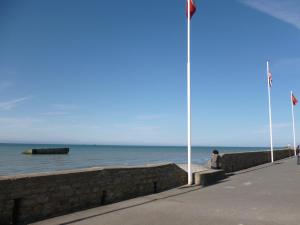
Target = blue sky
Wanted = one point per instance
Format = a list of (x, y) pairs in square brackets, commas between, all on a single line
[(114, 72)]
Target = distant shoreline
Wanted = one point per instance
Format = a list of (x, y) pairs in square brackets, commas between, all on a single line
[(135, 145)]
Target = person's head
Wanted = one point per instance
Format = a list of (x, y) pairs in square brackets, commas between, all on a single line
[(215, 151)]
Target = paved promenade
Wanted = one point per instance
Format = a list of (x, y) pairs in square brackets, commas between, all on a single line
[(263, 195)]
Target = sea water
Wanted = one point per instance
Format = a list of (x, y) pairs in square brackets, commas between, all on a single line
[(13, 162)]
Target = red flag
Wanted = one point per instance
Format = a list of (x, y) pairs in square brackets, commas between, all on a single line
[(270, 78), (294, 100), (192, 8)]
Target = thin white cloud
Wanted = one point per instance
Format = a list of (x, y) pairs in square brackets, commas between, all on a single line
[(65, 107), (142, 125), (150, 117), (136, 127), (19, 122), (5, 84), (61, 110), (284, 10), (275, 126), (12, 103), (55, 113), (281, 125)]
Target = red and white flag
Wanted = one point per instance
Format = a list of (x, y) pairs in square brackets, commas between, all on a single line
[(192, 8), (294, 100), (270, 79)]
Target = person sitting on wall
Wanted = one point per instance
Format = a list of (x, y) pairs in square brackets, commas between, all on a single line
[(215, 160)]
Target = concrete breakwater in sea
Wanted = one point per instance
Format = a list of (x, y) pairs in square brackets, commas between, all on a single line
[(32, 197)]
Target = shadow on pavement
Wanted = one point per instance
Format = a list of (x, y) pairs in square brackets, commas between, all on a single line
[(135, 205)]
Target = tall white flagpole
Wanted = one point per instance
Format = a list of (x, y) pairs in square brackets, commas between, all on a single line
[(293, 122), (270, 112), (190, 179)]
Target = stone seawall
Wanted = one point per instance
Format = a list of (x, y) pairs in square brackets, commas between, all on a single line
[(238, 161), (33, 197)]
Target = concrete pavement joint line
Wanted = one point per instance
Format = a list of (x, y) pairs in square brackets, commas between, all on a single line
[(131, 206)]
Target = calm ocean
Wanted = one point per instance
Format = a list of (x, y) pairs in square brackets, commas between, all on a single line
[(82, 156)]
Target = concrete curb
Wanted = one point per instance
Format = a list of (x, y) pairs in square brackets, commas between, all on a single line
[(208, 177)]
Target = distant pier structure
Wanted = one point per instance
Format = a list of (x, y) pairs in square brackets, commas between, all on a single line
[(46, 151)]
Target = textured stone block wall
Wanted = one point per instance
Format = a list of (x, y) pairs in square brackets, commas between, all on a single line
[(237, 161), (29, 198)]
